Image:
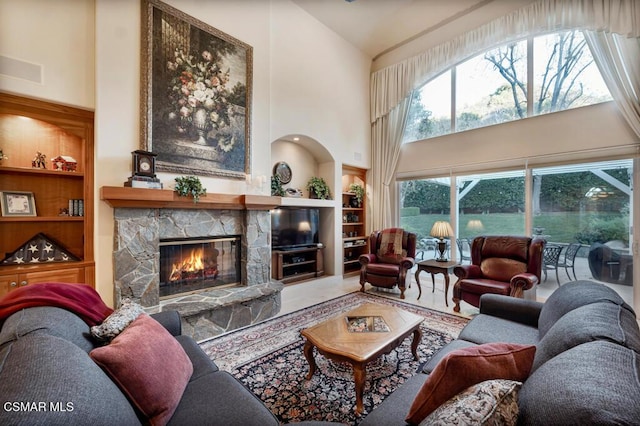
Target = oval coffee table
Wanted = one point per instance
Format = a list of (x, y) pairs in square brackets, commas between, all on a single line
[(334, 339)]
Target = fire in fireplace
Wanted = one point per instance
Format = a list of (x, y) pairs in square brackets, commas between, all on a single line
[(195, 264)]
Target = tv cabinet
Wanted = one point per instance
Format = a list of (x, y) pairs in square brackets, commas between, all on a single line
[(297, 264)]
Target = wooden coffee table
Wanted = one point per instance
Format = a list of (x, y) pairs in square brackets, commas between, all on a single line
[(334, 340)]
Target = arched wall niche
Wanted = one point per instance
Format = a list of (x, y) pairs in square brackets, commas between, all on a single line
[(307, 157)]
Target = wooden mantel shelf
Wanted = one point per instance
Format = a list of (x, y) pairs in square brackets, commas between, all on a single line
[(143, 198)]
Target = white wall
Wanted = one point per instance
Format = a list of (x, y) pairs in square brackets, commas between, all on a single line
[(319, 85), (58, 37)]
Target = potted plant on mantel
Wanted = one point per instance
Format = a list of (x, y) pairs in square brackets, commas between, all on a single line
[(318, 188), (276, 186), (358, 191), (190, 186)]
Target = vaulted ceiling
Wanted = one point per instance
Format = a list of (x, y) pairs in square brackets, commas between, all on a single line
[(375, 26)]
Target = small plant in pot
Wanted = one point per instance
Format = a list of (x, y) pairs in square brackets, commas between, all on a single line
[(276, 187), (190, 186), (358, 190), (318, 188)]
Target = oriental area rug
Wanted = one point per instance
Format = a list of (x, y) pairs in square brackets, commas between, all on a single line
[(268, 358)]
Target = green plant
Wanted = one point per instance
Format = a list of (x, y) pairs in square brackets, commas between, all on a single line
[(358, 190), (319, 188), (276, 187), (190, 185)]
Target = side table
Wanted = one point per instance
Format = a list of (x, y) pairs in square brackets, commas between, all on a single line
[(433, 267)]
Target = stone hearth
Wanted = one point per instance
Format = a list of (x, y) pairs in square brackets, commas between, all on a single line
[(137, 234)]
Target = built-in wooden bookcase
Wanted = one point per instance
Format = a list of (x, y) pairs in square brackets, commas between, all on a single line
[(29, 127), (354, 220)]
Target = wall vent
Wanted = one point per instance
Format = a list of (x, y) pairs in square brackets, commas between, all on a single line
[(20, 69)]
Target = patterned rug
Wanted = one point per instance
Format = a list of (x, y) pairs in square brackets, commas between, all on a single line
[(268, 358)]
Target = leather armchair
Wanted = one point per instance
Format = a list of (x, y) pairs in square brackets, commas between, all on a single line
[(382, 270), (506, 265)]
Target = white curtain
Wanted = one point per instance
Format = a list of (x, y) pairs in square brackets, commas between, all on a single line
[(394, 84), (618, 59), (386, 134)]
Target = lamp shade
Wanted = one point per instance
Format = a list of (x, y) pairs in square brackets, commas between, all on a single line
[(475, 225), (441, 229)]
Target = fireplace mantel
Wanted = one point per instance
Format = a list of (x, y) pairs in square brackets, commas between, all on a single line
[(144, 198)]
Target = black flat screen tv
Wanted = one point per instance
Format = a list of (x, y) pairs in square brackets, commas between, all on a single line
[(293, 227)]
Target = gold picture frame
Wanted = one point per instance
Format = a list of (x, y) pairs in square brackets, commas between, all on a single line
[(196, 92), (17, 203)]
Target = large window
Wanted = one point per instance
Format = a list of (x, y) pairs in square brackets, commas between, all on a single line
[(565, 75), (489, 89), (430, 112), (423, 203), (585, 205), (588, 203), (491, 204), (493, 88)]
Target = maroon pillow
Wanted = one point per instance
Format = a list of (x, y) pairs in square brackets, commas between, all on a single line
[(466, 367), (149, 366)]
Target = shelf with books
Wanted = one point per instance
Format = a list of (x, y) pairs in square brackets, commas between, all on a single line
[(354, 220)]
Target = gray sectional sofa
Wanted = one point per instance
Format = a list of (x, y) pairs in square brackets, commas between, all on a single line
[(586, 369), (48, 378)]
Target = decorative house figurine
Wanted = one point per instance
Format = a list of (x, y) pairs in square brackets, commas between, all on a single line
[(64, 163), (39, 161)]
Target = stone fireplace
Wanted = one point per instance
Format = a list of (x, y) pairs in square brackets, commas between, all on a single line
[(241, 225)]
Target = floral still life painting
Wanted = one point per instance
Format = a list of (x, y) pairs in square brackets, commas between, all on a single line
[(196, 100)]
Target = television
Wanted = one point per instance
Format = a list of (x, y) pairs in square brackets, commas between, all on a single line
[(293, 227)]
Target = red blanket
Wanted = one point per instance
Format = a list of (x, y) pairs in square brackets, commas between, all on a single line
[(80, 299)]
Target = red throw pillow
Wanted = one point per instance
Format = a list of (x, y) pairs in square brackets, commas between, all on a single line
[(466, 367), (149, 366)]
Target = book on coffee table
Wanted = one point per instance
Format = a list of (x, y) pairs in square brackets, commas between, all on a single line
[(367, 324)]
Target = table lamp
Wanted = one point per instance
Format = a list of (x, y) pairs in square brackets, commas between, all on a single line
[(441, 230)]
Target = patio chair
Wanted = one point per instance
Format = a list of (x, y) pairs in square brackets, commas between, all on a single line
[(569, 259), (550, 259), (424, 246), (461, 242)]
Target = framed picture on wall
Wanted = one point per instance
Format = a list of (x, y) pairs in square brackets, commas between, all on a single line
[(17, 203), (196, 86)]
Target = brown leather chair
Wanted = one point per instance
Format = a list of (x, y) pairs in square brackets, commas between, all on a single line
[(383, 268), (506, 265)]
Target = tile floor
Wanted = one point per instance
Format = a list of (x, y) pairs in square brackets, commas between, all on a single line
[(300, 295)]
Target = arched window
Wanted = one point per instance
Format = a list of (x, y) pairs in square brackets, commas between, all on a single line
[(539, 75)]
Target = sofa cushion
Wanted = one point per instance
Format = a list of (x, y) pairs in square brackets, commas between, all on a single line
[(597, 321), (594, 383), (502, 268), (571, 296), (115, 323), (228, 402), (48, 320), (390, 250), (60, 384), (482, 329), (150, 367), (492, 402), (454, 345), (466, 367)]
